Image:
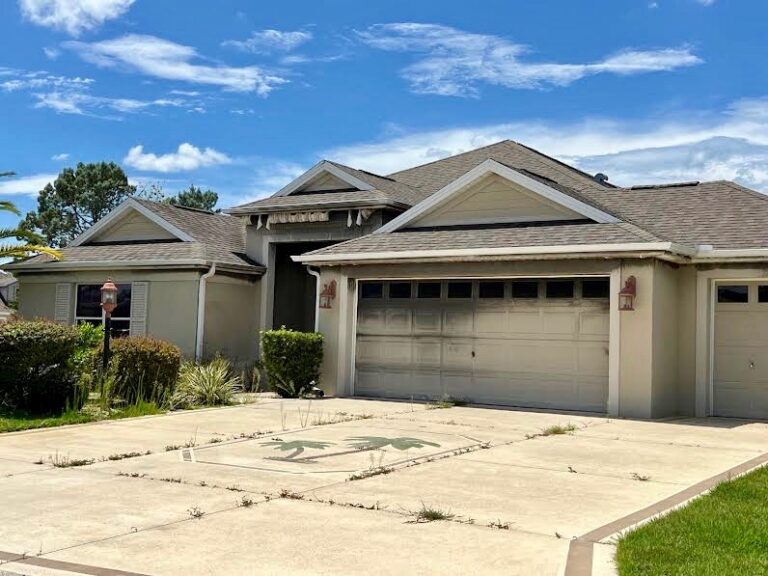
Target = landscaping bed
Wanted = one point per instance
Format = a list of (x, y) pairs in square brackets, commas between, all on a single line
[(723, 532)]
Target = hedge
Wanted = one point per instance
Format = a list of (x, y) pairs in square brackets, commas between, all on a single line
[(292, 360), (38, 373), (142, 369)]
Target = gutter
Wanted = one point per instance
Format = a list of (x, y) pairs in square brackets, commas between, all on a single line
[(670, 249), (64, 265), (201, 311), (329, 206), (316, 274)]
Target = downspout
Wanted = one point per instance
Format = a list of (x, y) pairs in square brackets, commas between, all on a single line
[(201, 311), (316, 274)]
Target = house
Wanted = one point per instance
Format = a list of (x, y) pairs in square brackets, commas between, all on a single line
[(500, 276), (8, 288)]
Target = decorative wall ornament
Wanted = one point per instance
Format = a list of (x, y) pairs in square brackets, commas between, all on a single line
[(328, 295)]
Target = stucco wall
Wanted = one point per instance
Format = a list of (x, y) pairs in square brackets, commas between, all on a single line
[(231, 319), (686, 340), (665, 339), (171, 300)]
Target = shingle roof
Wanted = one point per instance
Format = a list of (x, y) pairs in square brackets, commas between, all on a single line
[(6, 280), (490, 237), (386, 191), (217, 238)]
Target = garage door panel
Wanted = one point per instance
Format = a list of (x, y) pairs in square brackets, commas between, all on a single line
[(740, 359), (535, 353), (428, 321), (559, 322)]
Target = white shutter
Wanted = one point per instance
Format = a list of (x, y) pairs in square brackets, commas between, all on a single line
[(139, 308), (63, 307)]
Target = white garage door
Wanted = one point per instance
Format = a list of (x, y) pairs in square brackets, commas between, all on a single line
[(740, 382), (537, 343)]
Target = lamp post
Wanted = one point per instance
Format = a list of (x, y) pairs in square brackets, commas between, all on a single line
[(108, 304)]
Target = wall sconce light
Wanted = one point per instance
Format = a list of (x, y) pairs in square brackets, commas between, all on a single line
[(628, 294), (328, 295)]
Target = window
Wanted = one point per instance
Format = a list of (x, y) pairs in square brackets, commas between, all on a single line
[(762, 294), (595, 289), (428, 290), (399, 290), (525, 289), (491, 290), (459, 289), (372, 290), (733, 294), (560, 289), (88, 307)]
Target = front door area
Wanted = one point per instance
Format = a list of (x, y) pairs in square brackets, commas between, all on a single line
[(522, 342), (295, 288)]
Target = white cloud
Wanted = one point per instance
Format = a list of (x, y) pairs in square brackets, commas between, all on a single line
[(51, 53), (453, 62), (164, 59), (26, 80), (267, 41), (186, 157), (728, 144), (74, 102), (73, 16), (706, 2), (25, 185), (60, 157)]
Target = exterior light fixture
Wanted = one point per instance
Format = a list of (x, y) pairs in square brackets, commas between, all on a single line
[(628, 294), (108, 304)]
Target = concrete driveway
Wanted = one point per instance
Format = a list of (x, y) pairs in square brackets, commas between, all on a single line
[(335, 486)]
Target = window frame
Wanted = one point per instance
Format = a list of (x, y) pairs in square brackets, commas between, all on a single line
[(732, 285), (439, 283), (77, 320)]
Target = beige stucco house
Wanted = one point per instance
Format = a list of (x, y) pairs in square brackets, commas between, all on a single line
[(499, 276)]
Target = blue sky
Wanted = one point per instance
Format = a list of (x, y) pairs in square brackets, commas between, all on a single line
[(242, 96)]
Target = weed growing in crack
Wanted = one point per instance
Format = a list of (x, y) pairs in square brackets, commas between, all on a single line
[(59, 461), (572, 470), (171, 480), (195, 513), (124, 455), (245, 502), (640, 477), (215, 440), (554, 430), (290, 495), (499, 524), (378, 471), (234, 489), (431, 514)]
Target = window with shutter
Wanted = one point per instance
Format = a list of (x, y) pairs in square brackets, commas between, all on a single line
[(63, 304), (139, 308)]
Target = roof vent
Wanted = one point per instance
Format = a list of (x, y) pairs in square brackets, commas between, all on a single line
[(671, 185), (600, 177)]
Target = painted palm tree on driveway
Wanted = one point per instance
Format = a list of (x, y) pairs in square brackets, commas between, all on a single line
[(298, 446), (381, 442)]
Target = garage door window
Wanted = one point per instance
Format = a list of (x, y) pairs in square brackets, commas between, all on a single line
[(428, 290), (595, 289), (491, 290), (459, 289), (560, 289), (525, 289), (762, 294), (372, 290), (399, 290), (732, 294)]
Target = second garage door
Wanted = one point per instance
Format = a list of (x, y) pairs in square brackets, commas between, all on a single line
[(534, 343)]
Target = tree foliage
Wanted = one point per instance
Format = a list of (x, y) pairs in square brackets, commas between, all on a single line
[(195, 197), (77, 199)]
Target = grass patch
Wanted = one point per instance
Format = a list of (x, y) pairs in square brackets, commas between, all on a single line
[(723, 532), (554, 430), (432, 514), (17, 420)]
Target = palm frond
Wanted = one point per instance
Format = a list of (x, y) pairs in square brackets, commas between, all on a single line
[(8, 206), (24, 250), (27, 235)]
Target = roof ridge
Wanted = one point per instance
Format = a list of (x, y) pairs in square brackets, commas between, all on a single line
[(391, 174)]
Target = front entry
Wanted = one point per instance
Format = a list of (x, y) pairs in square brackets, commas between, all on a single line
[(537, 343), (295, 288)]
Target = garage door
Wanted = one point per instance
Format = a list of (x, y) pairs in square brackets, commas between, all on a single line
[(537, 343), (740, 379)]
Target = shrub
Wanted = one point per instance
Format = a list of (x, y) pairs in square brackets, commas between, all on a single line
[(89, 338), (209, 384), (291, 360), (38, 372), (142, 369)]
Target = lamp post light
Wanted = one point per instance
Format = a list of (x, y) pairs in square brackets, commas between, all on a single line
[(108, 304)]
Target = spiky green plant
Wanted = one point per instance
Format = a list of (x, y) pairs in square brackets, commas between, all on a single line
[(32, 243), (209, 384)]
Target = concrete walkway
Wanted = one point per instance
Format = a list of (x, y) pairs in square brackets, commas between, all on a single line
[(335, 486)]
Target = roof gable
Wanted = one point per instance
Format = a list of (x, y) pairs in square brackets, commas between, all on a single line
[(517, 198), (131, 218), (324, 174)]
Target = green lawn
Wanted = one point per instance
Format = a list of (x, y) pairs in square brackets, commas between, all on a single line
[(17, 420), (721, 534)]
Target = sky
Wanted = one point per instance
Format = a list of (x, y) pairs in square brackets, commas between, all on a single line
[(242, 97)]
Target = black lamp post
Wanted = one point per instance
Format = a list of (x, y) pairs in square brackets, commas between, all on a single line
[(108, 304)]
